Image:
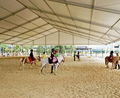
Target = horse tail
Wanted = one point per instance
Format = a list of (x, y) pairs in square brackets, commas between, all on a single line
[(22, 59), (22, 62), (106, 60)]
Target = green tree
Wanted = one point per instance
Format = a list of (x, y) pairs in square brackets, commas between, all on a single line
[(40, 49), (3, 47), (16, 48)]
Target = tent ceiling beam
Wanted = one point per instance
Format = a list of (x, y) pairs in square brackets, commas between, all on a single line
[(13, 13), (45, 13), (19, 25), (42, 37), (77, 31), (98, 32), (34, 35), (24, 32), (32, 9), (53, 11), (67, 17), (15, 24), (87, 6), (79, 35), (111, 27), (18, 15), (72, 32), (116, 30), (114, 41), (38, 8)]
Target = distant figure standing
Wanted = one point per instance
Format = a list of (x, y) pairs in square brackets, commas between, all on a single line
[(74, 55), (78, 55)]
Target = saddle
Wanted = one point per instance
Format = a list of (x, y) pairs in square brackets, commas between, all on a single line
[(31, 59), (54, 60)]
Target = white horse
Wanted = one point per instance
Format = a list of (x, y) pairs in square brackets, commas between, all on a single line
[(54, 66)]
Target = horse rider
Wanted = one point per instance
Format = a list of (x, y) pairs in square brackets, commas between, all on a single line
[(52, 57), (44, 55), (32, 58), (111, 56)]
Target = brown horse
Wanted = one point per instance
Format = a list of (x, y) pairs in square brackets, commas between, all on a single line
[(114, 61), (27, 60)]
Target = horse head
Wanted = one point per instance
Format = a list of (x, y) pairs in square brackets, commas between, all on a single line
[(39, 58)]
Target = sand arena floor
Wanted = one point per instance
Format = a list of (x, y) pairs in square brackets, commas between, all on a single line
[(87, 78)]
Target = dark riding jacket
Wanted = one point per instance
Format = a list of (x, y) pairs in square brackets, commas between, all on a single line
[(31, 55)]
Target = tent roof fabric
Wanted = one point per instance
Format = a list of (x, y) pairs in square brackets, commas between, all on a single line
[(59, 22)]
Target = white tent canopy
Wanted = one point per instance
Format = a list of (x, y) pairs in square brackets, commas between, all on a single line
[(59, 22)]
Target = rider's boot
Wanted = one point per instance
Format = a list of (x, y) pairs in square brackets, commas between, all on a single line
[(51, 69)]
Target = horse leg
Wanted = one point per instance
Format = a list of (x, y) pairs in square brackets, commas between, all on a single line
[(31, 63), (23, 65), (42, 68), (20, 64), (40, 65), (56, 66), (35, 63), (113, 65), (106, 65), (116, 65)]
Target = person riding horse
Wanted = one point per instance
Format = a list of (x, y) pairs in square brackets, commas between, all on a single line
[(112, 59), (53, 59), (111, 56), (43, 55), (31, 57)]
